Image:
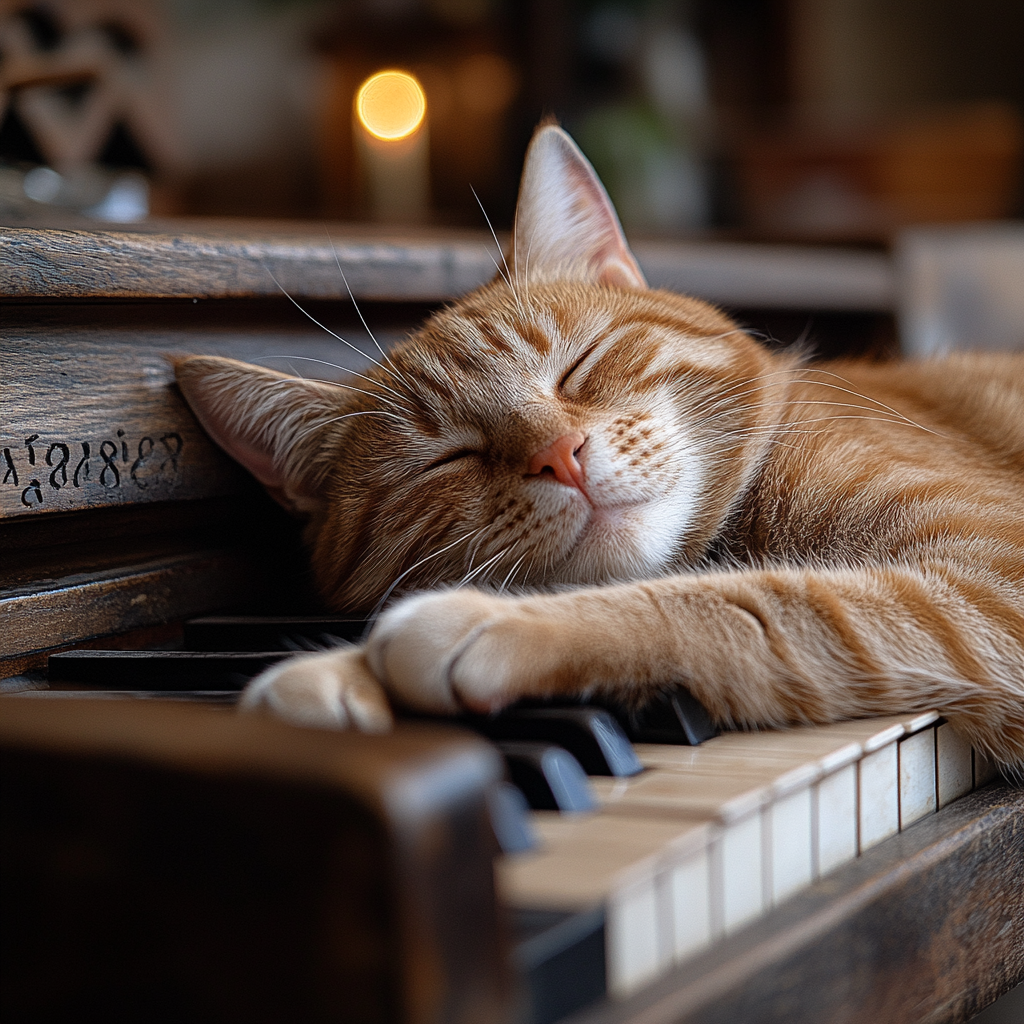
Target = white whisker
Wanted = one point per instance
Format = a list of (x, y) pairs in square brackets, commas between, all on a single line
[(481, 567), (508, 579), (359, 313), (416, 565), (355, 348), (506, 276), (337, 384)]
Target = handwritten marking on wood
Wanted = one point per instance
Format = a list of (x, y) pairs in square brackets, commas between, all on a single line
[(90, 414), (91, 418), (108, 464)]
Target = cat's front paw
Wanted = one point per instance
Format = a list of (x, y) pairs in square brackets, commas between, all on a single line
[(333, 690), (463, 650)]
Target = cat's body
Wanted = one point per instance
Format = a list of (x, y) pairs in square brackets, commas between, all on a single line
[(670, 503)]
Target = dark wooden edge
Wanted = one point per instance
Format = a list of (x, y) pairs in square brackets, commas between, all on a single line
[(926, 927)]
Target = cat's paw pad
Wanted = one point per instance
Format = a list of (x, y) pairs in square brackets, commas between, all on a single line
[(416, 648), (334, 690)]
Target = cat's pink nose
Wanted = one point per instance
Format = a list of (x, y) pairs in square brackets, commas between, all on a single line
[(560, 459)]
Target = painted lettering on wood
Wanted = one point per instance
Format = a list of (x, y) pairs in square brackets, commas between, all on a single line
[(41, 466), (91, 418)]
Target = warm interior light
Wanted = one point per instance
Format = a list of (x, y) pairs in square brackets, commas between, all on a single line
[(391, 105)]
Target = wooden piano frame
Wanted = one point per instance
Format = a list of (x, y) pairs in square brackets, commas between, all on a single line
[(118, 520)]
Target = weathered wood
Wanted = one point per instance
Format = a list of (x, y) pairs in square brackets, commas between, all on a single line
[(198, 260), (926, 927), (39, 549), (221, 264), (91, 416), (57, 612), (25, 671)]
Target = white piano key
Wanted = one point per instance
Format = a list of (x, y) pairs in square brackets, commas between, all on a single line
[(871, 733), (732, 803), (917, 776), (878, 808), (878, 803), (625, 864), (955, 769), (985, 769), (835, 840), (683, 794), (634, 947), (707, 839), (818, 745), (789, 852), (787, 838), (920, 720), (742, 897), (688, 886)]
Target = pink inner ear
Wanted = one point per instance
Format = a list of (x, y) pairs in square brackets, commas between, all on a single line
[(250, 412), (565, 219), (257, 458), (617, 275), (258, 461)]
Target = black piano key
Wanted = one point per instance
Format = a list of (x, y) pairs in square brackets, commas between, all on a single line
[(674, 716), (590, 734), (160, 670), (268, 633), (561, 957), (225, 697), (549, 777), (510, 818)]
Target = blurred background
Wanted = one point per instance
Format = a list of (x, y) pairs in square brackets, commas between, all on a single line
[(840, 128), (808, 120)]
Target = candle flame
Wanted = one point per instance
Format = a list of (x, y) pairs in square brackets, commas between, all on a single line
[(391, 105)]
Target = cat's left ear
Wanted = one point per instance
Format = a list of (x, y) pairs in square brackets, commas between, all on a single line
[(269, 422), (566, 227)]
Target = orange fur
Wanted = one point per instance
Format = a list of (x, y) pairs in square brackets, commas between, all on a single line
[(792, 543)]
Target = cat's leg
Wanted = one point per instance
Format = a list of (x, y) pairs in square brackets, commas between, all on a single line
[(333, 689), (756, 648)]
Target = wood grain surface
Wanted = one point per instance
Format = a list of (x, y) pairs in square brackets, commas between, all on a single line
[(58, 612), (241, 259), (926, 927), (209, 264), (90, 416)]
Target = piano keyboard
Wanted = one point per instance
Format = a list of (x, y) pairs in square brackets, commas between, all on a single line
[(708, 838), (667, 847)]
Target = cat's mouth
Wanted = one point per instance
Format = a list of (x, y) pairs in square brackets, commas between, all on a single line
[(607, 523)]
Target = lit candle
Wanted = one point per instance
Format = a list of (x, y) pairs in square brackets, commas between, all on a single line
[(391, 138)]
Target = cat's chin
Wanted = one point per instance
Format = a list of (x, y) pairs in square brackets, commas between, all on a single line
[(618, 543)]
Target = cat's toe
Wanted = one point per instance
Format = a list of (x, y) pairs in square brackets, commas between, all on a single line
[(417, 646), (334, 690)]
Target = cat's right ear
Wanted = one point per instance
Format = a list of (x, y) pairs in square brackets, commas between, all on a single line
[(259, 417), (566, 227)]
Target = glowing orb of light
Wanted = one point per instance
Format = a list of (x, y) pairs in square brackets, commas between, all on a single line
[(391, 105)]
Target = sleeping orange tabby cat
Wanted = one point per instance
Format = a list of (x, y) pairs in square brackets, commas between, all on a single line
[(629, 493)]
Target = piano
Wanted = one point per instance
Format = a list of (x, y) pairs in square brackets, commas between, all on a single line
[(863, 871)]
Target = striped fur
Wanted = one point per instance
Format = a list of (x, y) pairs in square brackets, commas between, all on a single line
[(792, 543)]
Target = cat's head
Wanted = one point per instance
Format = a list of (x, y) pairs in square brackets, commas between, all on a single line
[(562, 424)]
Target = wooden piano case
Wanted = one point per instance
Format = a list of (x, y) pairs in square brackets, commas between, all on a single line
[(118, 520), (177, 863)]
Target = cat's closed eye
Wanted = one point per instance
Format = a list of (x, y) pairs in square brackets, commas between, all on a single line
[(564, 382), (447, 460)]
